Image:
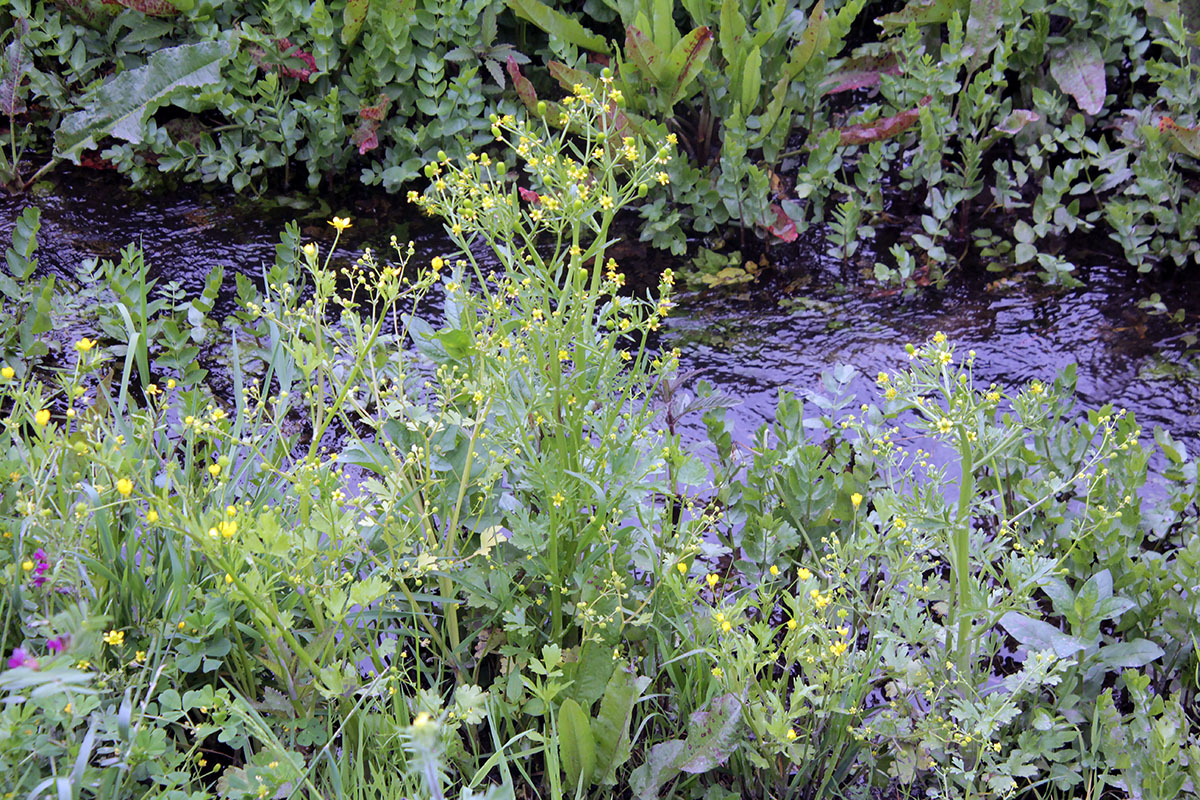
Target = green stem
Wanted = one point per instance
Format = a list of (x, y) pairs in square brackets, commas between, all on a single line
[(962, 546)]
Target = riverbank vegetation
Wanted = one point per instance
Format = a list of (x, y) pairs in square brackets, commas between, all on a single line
[(1002, 129), (472, 557)]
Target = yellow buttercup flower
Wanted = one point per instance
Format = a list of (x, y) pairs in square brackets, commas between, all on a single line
[(856, 500), (85, 344), (340, 223), (214, 469), (712, 579), (125, 487), (114, 638), (803, 574), (7, 373), (310, 250), (152, 516), (42, 417)]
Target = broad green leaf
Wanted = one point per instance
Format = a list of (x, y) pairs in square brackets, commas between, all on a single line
[(1078, 69), (611, 725), (644, 54), (983, 29), (558, 24), (687, 60), (353, 17), (20, 259), (576, 746), (732, 34), (920, 12), (1038, 635), (814, 40), (751, 78), (122, 105), (1130, 655), (711, 739)]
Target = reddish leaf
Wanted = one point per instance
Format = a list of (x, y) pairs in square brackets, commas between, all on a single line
[(378, 111), (524, 88), (1181, 139), (289, 50), (528, 195), (156, 8), (859, 73), (784, 228), (367, 138), (880, 129)]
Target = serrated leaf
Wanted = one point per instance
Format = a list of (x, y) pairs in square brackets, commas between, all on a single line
[(1078, 69), (123, 104)]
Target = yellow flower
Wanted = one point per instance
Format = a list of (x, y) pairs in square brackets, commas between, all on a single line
[(890, 394), (42, 417), (558, 499), (170, 383), (114, 638), (726, 626), (310, 250), (939, 337), (340, 223), (682, 567), (125, 487), (791, 624), (945, 425), (803, 574), (717, 672), (712, 579), (882, 379), (774, 570), (791, 734), (228, 578), (27, 565), (856, 500), (899, 523), (422, 720), (837, 648), (662, 178), (7, 373), (437, 263), (152, 516), (85, 344), (214, 469), (229, 528), (139, 656)]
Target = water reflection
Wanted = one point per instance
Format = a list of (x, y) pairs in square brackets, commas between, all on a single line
[(749, 343)]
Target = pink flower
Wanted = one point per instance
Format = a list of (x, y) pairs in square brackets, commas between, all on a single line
[(20, 658)]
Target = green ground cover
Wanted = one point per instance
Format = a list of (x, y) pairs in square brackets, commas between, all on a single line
[(471, 558)]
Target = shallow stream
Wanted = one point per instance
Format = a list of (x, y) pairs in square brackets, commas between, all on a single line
[(805, 316)]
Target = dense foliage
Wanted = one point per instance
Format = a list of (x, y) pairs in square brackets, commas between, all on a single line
[(1002, 126), (401, 560)]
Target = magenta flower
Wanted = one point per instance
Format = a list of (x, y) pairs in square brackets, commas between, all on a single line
[(58, 644), (20, 658)]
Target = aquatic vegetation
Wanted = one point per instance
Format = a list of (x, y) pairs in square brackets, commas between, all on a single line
[(410, 558)]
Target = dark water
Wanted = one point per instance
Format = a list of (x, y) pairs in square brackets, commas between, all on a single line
[(806, 316)]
